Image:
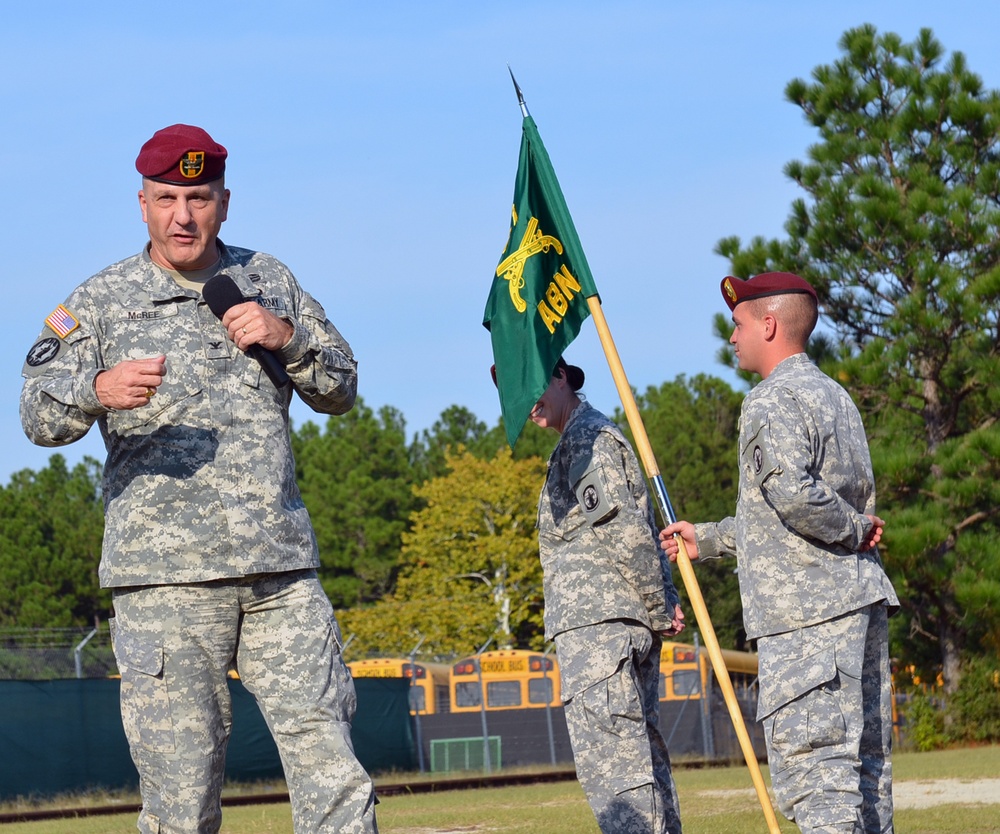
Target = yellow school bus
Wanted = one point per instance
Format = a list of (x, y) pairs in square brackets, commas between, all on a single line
[(428, 681), (684, 671), (513, 679)]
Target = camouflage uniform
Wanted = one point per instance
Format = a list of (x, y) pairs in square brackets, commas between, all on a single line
[(200, 495), (815, 604), (608, 591)]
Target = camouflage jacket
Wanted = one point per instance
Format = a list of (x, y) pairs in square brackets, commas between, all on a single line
[(200, 484), (596, 533), (806, 487)]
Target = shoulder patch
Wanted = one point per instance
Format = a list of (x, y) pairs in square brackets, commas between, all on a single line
[(758, 456), (62, 322), (595, 498), (42, 351)]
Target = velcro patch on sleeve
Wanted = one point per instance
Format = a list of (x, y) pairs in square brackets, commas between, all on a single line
[(62, 322), (758, 456), (596, 500)]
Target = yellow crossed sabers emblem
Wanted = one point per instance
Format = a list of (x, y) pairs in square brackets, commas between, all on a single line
[(512, 267)]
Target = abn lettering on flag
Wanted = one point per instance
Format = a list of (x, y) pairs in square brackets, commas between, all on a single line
[(538, 298)]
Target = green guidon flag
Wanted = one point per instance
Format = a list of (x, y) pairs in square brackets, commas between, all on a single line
[(538, 300)]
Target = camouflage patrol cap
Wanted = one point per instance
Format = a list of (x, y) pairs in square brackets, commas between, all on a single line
[(735, 290), (182, 155)]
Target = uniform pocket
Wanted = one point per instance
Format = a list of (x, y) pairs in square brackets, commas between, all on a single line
[(826, 726), (813, 723), (613, 706), (145, 703), (572, 526), (177, 388)]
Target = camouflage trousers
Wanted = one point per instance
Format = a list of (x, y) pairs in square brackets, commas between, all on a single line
[(830, 747), (174, 644), (609, 675)]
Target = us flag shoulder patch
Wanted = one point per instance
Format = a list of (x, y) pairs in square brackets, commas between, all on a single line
[(62, 322)]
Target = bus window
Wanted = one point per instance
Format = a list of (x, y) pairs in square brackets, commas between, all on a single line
[(540, 691), (663, 687), (418, 703), (686, 683), (503, 694), (467, 694)]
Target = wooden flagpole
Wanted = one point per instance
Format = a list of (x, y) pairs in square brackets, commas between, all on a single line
[(695, 597), (683, 560)]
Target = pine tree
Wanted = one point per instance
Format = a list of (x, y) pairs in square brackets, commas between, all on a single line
[(356, 480), (51, 527), (900, 234)]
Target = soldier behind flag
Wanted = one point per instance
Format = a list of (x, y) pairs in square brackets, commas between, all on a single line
[(609, 599), (609, 595)]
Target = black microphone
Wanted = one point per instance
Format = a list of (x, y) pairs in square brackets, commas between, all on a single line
[(220, 292)]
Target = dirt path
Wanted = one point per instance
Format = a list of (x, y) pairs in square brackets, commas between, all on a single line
[(924, 793)]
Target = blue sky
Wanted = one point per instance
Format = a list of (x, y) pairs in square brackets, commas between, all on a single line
[(373, 148)]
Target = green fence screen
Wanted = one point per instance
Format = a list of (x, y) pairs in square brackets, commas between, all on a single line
[(66, 736)]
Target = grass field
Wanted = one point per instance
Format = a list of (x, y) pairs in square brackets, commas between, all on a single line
[(961, 789)]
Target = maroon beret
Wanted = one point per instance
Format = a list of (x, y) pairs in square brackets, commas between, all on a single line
[(735, 290), (181, 155)]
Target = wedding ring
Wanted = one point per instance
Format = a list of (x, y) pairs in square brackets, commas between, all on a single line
[(244, 331), (150, 392)]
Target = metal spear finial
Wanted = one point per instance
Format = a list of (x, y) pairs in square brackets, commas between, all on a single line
[(520, 95)]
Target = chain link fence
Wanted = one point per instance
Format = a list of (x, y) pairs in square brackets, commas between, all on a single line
[(39, 654)]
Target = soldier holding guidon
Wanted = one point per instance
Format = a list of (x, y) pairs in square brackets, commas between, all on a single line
[(815, 596)]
